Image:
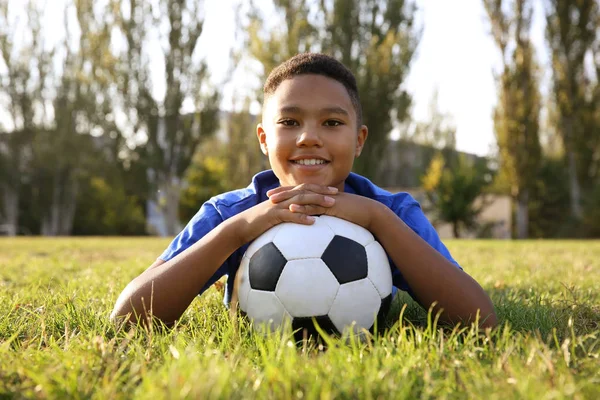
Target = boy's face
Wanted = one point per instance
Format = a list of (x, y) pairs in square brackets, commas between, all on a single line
[(309, 132)]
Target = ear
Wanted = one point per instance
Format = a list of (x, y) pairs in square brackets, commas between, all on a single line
[(262, 138), (363, 132)]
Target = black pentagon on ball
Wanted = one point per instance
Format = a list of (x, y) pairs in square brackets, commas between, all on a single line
[(265, 267), (346, 259), (305, 327)]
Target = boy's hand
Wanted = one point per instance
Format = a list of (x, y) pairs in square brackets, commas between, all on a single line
[(282, 207), (353, 208)]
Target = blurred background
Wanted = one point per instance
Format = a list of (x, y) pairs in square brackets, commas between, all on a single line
[(123, 117)]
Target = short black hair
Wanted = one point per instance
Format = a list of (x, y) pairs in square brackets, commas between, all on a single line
[(318, 64)]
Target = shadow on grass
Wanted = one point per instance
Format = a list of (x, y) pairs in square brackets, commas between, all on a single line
[(524, 310)]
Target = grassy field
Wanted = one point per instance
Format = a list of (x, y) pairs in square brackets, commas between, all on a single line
[(56, 341)]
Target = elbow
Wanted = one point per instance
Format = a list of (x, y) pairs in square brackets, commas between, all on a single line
[(123, 308), (131, 308), (119, 314), (488, 319)]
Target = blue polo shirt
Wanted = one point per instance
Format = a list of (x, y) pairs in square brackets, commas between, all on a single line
[(226, 205)]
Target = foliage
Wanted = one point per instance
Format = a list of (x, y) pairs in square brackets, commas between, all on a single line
[(375, 39), (223, 164), (172, 137), (549, 207), (549, 215), (76, 92), (516, 118), (56, 340), (591, 213), (59, 96), (455, 188), (241, 152), (108, 210), (23, 91), (572, 31), (206, 177)]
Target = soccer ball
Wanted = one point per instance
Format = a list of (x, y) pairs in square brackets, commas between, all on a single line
[(333, 273)]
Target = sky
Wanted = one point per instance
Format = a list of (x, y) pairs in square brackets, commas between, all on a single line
[(456, 57)]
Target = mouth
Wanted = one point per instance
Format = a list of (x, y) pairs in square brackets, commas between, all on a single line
[(310, 162)]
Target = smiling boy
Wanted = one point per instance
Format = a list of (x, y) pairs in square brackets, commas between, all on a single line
[(311, 131)]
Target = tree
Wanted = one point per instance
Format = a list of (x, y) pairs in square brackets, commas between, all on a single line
[(516, 118), (223, 164), (453, 189), (206, 177), (107, 209), (241, 151), (572, 32), (59, 97), (23, 91), (82, 107), (376, 39), (171, 136), (547, 218)]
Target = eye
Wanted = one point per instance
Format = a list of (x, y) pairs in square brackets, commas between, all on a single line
[(288, 122), (333, 122)]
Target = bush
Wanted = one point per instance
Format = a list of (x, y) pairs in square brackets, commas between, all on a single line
[(104, 209)]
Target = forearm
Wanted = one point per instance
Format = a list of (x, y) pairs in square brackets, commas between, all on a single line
[(168, 289), (432, 278)]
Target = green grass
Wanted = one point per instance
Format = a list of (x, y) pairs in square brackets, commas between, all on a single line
[(56, 341)]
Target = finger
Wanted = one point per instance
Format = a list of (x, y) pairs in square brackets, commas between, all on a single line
[(308, 209), (313, 187), (303, 197), (299, 218), (278, 190), (310, 187), (309, 199)]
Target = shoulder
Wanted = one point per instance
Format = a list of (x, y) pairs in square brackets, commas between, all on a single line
[(402, 204), (396, 201), (405, 206), (233, 202), (217, 209)]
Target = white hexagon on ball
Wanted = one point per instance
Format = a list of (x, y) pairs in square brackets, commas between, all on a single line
[(357, 302), (379, 269), (348, 229), (307, 288), (243, 283), (296, 241), (266, 308), (265, 238)]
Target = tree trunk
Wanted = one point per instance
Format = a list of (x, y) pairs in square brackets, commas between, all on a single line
[(10, 202), (455, 230), (68, 206), (168, 202), (574, 187), (50, 219), (58, 221), (523, 214)]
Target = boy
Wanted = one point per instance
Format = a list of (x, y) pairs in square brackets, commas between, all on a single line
[(311, 132)]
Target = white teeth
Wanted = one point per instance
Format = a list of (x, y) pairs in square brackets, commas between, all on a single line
[(312, 161)]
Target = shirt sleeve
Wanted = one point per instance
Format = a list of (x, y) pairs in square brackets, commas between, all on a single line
[(418, 222), (205, 220), (414, 217)]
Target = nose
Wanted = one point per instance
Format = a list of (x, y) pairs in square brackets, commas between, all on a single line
[(309, 138)]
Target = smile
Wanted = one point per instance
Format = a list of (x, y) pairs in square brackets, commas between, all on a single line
[(312, 161)]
